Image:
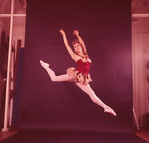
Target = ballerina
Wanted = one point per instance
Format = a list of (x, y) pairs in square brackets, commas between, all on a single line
[(79, 76)]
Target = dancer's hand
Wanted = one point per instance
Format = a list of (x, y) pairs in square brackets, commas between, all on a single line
[(75, 32), (62, 31)]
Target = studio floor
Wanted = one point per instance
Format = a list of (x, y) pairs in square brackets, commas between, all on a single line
[(142, 133)]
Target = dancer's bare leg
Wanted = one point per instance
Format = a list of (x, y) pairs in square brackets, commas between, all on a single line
[(52, 75), (87, 89)]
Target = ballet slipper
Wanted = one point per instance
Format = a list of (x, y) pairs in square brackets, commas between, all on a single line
[(109, 110), (43, 64)]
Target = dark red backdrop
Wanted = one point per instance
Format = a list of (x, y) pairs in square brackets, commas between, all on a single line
[(105, 27)]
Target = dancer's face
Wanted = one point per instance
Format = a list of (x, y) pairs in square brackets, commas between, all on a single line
[(77, 48)]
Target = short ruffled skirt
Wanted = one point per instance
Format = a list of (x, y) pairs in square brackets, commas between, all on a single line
[(79, 77)]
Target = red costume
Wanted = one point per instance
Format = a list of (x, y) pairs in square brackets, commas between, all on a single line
[(82, 73)]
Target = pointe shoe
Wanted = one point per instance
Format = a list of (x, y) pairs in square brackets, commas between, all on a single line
[(109, 110), (43, 64)]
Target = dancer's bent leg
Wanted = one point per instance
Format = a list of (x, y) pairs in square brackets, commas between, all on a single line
[(87, 89), (52, 75)]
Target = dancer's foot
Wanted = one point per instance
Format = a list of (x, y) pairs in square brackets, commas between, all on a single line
[(43, 64), (107, 109)]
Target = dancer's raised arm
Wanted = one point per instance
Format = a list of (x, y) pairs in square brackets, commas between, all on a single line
[(70, 51), (76, 33)]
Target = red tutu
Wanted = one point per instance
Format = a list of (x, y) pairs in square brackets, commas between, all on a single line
[(79, 77)]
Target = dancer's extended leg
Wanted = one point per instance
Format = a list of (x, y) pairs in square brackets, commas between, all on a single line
[(87, 89), (52, 75)]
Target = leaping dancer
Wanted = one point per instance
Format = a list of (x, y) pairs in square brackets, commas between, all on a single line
[(79, 76)]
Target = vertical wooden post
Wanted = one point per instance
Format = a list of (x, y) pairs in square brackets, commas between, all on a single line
[(5, 129)]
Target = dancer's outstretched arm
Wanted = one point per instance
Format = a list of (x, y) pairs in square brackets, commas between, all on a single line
[(70, 51), (76, 33)]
